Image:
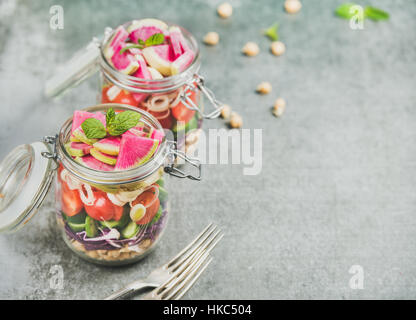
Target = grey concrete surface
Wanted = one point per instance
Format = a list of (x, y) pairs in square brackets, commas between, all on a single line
[(338, 184)]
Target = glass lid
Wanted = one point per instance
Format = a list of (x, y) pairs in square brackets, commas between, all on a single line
[(25, 177)]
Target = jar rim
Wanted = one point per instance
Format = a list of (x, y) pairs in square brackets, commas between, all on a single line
[(111, 177), (139, 85)]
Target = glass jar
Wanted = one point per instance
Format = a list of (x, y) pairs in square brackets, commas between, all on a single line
[(95, 209), (175, 101)]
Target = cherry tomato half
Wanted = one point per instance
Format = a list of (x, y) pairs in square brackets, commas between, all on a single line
[(181, 113), (102, 209), (71, 203)]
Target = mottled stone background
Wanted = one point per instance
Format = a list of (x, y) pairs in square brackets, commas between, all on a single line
[(339, 168)]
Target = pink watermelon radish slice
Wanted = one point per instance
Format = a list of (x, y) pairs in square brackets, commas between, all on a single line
[(80, 116), (156, 75), (106, 158), (78, 149), (116, 42), (181, 63), (136, 131), (157, 135), (160, 58), (175, 40), (125, 62), (135, 151), (142, 73), (90, 162), (176, 36), (110, 145), (145, 28)]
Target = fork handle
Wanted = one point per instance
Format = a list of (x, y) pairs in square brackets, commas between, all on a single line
[(132, 287)]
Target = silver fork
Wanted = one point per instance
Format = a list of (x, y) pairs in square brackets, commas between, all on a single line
[(175, 287), (178, 266)]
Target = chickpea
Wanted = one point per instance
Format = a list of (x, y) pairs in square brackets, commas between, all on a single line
[(211, 38), (293, 6), (225, 10), (277, 48), (236, 121), (264, 87), (226, 111), (251, 49), (279, 107)]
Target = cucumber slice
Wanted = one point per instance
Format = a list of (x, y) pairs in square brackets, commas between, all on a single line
[(163, 194), (76, 227), (78, 218), (91, 227), (192, 124), (117, 224), (160, 182), (130, 230)]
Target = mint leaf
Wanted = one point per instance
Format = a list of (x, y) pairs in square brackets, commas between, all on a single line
[(344, 10), (93, 128), (271, 32), (110, 116), (155, 39), (123, 121), (375, 14), (130, 46), (140, 41)]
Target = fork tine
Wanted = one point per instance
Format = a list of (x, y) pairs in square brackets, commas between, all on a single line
[(189, 245), (202, 238), (200, 254), (168, 292), (206, 246), (190, 280)]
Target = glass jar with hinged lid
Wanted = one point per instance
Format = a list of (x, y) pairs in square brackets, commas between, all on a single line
[(110, 213), (151, 65)]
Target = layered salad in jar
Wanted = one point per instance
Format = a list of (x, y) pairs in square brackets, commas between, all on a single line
[(151, 50), (111, 222)]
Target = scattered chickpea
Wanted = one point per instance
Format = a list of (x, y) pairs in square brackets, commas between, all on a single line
[(293, 6), (279, 107), (251, 49), (277, 48), (226, 111), (236, 121), (264, 87), (211, 38), (225, 10)]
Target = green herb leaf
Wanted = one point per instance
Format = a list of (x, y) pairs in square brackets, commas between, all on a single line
[(344, 10), (375, 14), (140, 41), (130, 46), (155, 39), (123, 121), (271, 32), (110, 116), (93, 128)]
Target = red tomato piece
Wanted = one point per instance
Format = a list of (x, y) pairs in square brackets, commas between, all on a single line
[(71, 203), (149, 199), (102, 209), (181, 113), (118, 212)]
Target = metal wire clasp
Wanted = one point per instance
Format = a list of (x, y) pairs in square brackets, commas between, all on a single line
[(52, 141), (198, 82), (174, 153)]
